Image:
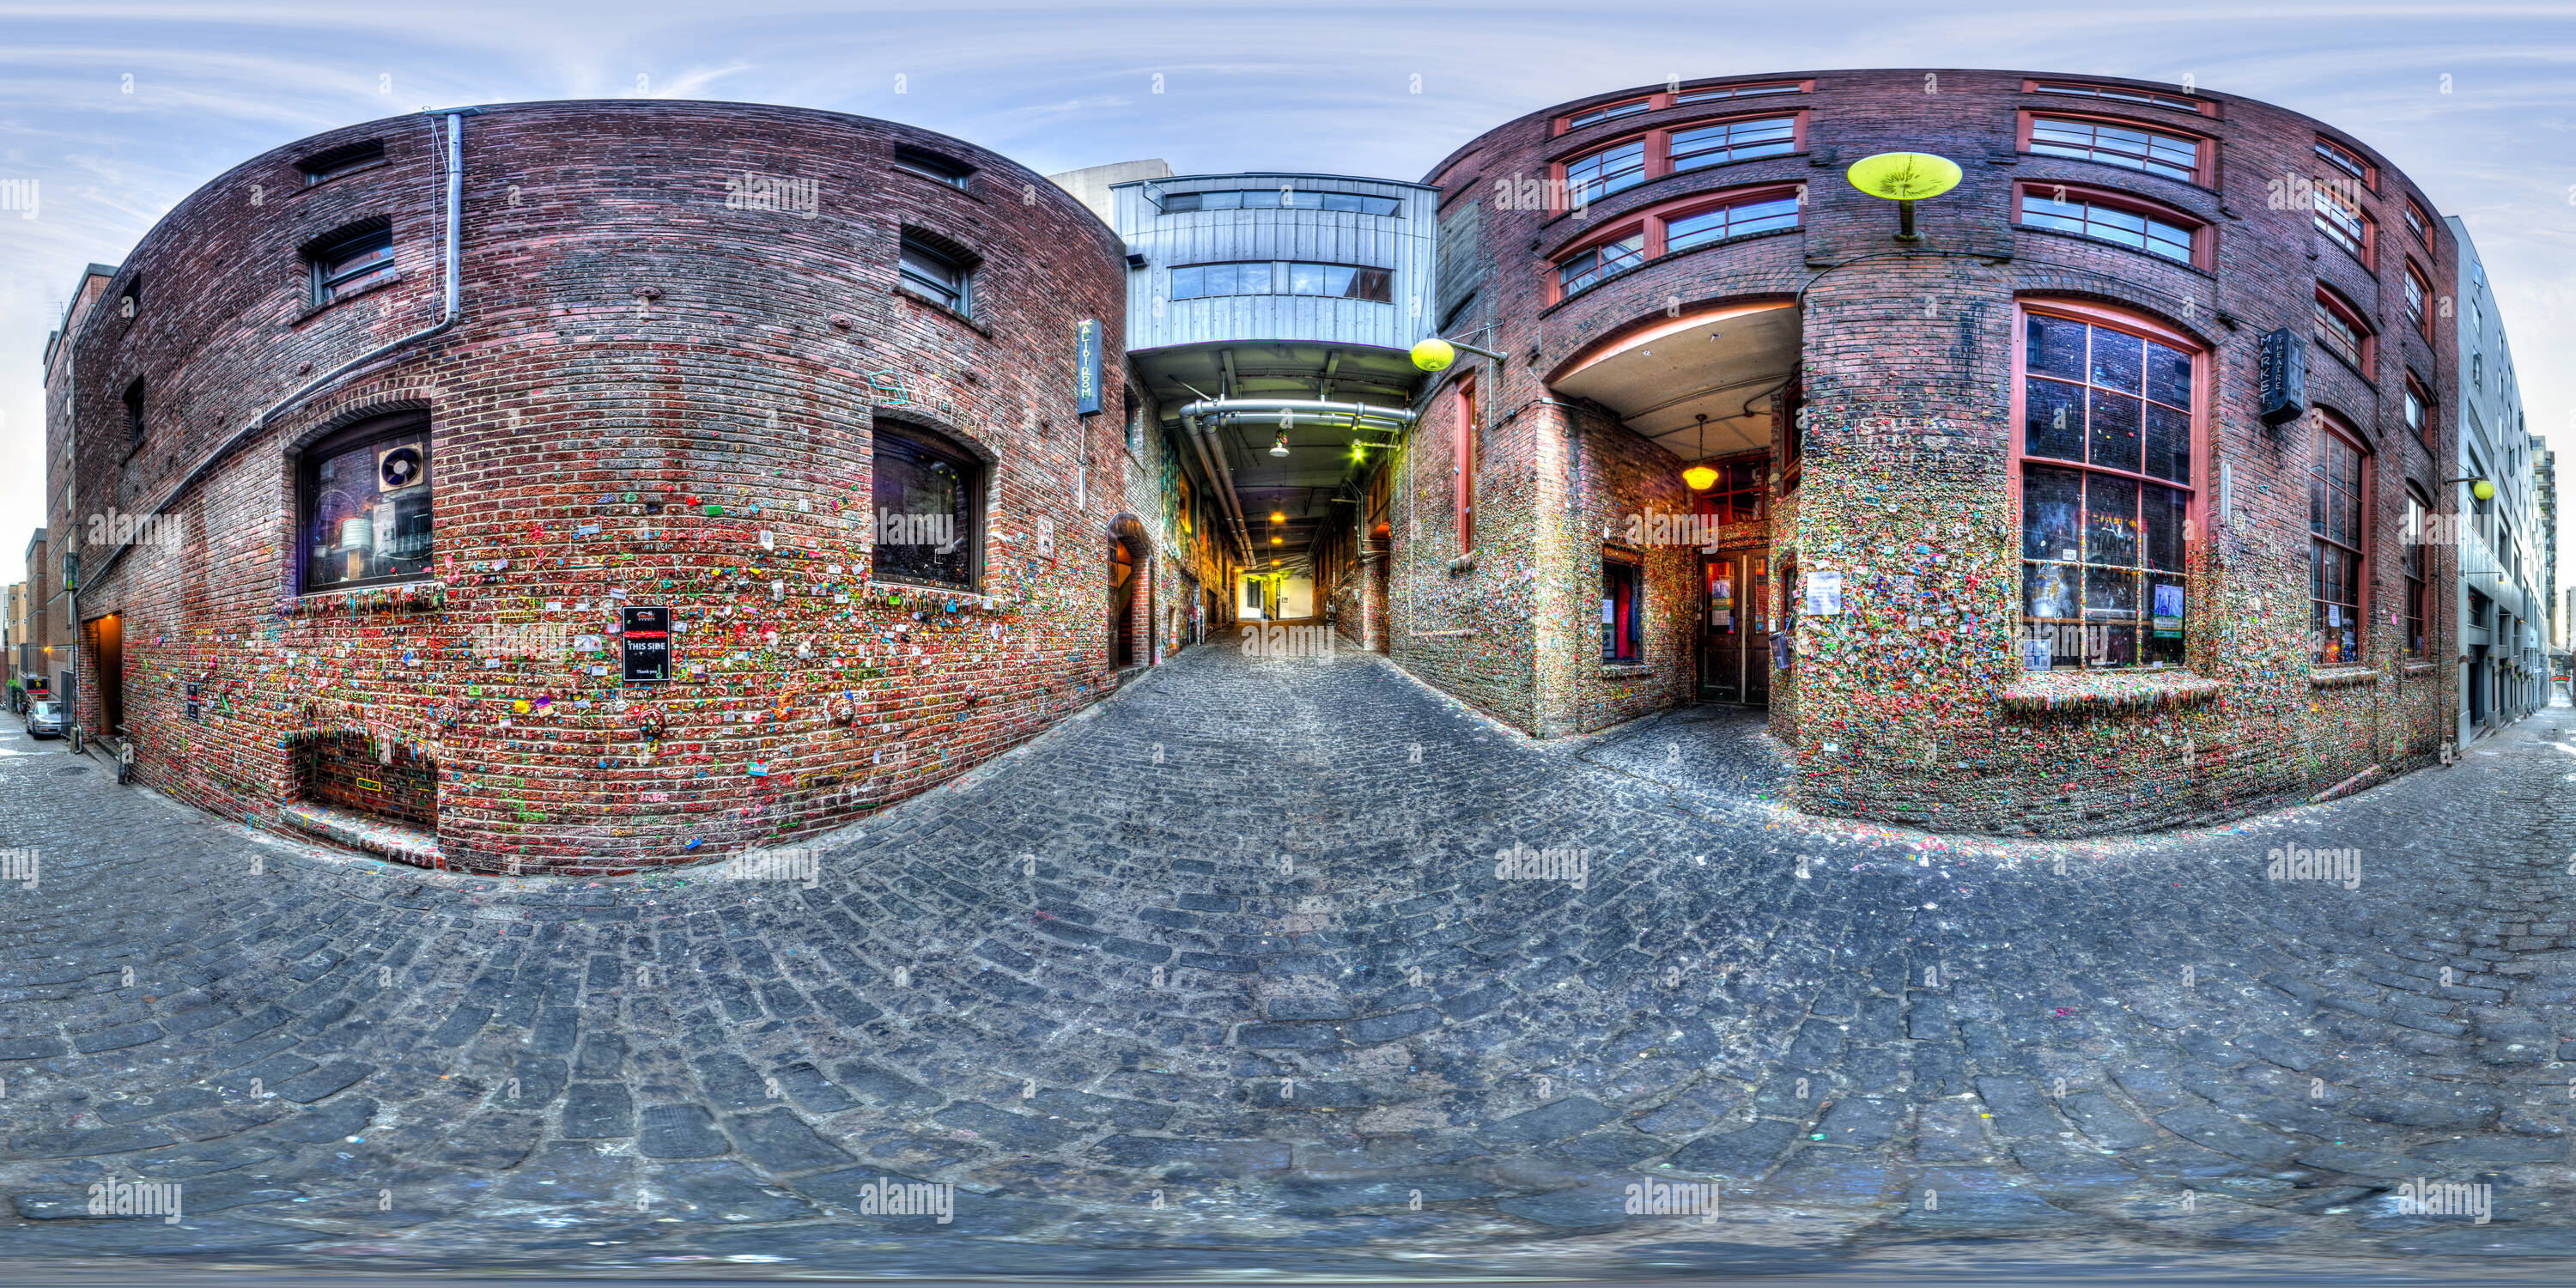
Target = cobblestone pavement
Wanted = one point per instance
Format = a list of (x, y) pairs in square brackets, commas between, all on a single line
[(1220, 976)]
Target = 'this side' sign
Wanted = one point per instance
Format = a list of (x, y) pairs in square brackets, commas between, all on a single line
[(648, 645)]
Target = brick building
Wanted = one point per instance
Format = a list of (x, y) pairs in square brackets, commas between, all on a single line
[(388, 435), (1994, 521)]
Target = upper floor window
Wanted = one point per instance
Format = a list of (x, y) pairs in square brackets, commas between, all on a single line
[(134, 412), (929, 507), (1280, 198), (340, 161), (2338, 531), (2345, 159), (2339, 217), (1594, 175), (2340, 329), (1722, 92), (1737, 219), (2173, 156), (2419, 223), (1738, 494), (1707, 145), (938, 274), (2419, 411), (2075, 211), (931, 165), (351, 260), (2418, 291), (1597, 115), (1464, 448), (1591, 264), (2106, 491), (1268, 277), (2119, 94), (365, 505)]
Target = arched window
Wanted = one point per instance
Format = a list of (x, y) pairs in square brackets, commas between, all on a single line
[(929, 498), (2109, 428), (365, 502), (2338, 535)]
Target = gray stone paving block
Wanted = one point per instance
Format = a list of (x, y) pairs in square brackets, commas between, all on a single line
[(1175, 1159), (312, 1085), (565, 1172), (598, 1109), (884, 1086), (2228, 1135), (725, 1192), (1008, 1130), (1743, 1152), (336, 1121), (680, 1131), (1553, 1121), (779, 1140)]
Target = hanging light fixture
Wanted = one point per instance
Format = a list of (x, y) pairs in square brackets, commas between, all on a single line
[(1904, 178), (1700, 477), (1280, 447)]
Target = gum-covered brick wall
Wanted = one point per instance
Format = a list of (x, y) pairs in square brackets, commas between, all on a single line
[(682, 335)]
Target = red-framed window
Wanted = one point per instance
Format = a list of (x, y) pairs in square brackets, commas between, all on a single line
[(2124, 94), (1684, 223), (2348, 161), (2108, 408), (1623, 608), (1737, 495), (1599, 259), (2419, 223), (1465, 451), (2340, 329), (1605, 112), (2130, 146), (1699, 146), (2419, 296), (1605, 170), (2340, 218), (2338, 533), (1620, 164), (2115, 217), (2419, 410), (2418, 538)]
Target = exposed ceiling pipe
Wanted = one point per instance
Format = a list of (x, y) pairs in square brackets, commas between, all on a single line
[(1212, 461), (1231, 408)]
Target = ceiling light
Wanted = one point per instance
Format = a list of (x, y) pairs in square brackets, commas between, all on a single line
[(1280, 448), (1699, 477)]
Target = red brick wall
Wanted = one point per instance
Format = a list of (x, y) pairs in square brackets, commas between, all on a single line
[(1907, 723), (341, 769), (633, 352)]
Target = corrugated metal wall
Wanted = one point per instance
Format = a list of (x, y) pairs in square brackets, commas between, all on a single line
[(1404, 242)]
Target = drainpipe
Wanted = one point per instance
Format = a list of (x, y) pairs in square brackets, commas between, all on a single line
[(1212, 463)]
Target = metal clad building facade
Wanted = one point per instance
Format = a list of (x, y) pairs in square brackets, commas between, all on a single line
[(1402, 242)]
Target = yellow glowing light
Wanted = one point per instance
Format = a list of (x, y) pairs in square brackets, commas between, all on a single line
[(1904, 176), (1434, 354), (2483, 490), (1699, 477), (1278, 516), (1279, 541)]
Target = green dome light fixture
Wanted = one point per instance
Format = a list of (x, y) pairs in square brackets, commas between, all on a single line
[(1904, 178)]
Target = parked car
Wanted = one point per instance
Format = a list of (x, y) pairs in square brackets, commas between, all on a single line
[(45, 719)]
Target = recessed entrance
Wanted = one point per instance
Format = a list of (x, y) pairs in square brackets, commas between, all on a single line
[(109, 634), (1123, 585), (1735, 627)]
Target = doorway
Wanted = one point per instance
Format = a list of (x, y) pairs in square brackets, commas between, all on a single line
[(1122, 604), (109, 674), (1735, 627)]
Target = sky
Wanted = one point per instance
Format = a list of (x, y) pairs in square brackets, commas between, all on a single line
[(119, 110)]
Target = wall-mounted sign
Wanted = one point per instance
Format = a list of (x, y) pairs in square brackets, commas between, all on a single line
[(647, 637), (196, 708), (1825, 593), (2037, 653), (2284, 377), (1086, 366)]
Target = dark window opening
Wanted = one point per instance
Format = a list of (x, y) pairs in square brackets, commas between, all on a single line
[(929, 505), (340, 161), (931, 165), (2417, 537), (365, 496), (1621, 611), (1282, 198), (351, 260), (2338, 525), (134, 413)]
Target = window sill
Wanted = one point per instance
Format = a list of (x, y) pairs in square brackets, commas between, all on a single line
[(312, 311), (1665, 180), (2421, 667), (1623, 671), (945, 311), (2106, 692), (961, 189), (2343, 677), (425, 595)]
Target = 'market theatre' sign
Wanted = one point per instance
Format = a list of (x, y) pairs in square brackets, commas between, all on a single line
[(648, 645)]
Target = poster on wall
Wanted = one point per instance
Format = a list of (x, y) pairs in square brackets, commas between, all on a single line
[(1825, 593), (647, 637), (2037, 653)]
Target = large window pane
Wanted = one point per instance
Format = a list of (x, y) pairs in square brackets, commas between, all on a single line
[(2053, 420), (367, 512), (2114, 430), (2116, 359), (2052, 507), (2110, 520), (2056, 346), (2166, 509), (925, 503), (2168, 443), (2168, 375)]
